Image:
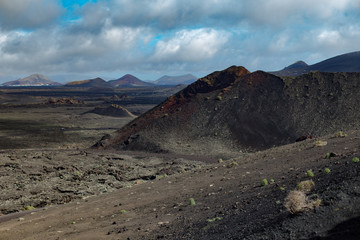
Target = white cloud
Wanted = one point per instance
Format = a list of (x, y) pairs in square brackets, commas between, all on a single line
[(329, 38), (171, 35), (28, 14), (191, 45)]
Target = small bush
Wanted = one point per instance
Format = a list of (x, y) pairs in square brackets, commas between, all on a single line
[(192, 202), (232, 164), (282, 189), (340, 134), (327, 170), (305, 186), (214, 219), (330, 155), (320, 143), (309, 173), (355, 160), (264, 182), (27, 208), (272, 181), (297, 201), (219, 98)]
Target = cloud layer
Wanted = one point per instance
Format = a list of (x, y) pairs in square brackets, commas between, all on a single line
[(155, 37)]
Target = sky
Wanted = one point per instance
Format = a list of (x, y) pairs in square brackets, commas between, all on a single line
[(78, 39)]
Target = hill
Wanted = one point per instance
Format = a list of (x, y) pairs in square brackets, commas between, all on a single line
[(349, 62), (114, 111), (32, 80), (90, 83), (176, 80), (129, 80), (235, 110)]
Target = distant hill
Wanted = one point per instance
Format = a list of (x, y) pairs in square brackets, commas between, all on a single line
[(234, 110), (114, 110), (349, 62), (90, 83), (129, 81), (176, 80), (32, 80)]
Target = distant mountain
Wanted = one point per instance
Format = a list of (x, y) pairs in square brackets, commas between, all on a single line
[(176, 80), (90, 83), (129, 81), (32, 80), (349, 62)]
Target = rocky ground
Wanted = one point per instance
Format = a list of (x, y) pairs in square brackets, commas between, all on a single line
[(33, 178), (229, 201)]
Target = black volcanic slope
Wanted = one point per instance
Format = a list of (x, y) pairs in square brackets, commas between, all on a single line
[(235, 110), (349, 62)]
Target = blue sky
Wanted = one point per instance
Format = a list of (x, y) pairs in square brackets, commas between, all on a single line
[(73, 40)]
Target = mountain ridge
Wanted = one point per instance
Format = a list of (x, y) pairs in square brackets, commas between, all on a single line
[(32, 80), (348, 62), (89, 83), (176, 80)]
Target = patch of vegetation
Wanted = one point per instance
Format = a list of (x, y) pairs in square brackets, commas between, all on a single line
[(232, 164), (340, 134), (220, 160), (219, 98), (214, 219), (123, 211), (192, 202), (320, 143), (309, 173), (27, 208), (305, 186), (330, 155), (327, 170), (355, 160), (272, 181), (282, 189), (264, 182), (297, 202)]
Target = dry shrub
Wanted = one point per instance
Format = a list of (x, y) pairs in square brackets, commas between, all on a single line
[(305, 186), (320, 143), (297, 201)]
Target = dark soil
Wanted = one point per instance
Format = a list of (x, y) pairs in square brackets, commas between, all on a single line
[(230, 201)]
